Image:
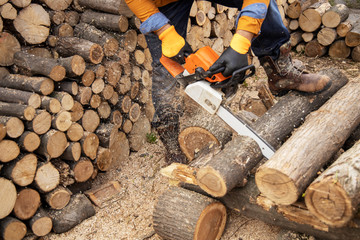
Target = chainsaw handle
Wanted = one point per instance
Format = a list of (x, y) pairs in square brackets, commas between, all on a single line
[(209, 73), (250, 67)]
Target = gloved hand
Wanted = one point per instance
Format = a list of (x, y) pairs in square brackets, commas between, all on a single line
[(234, 57), (173, 45)]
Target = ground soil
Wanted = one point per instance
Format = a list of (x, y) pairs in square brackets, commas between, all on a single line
[(129, 214)]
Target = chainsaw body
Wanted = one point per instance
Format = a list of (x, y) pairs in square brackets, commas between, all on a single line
[(200, 61)]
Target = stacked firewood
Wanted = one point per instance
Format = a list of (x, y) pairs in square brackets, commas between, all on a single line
[(75, 99), (319, 28)]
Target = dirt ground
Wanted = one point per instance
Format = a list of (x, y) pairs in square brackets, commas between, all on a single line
[(129, 214)]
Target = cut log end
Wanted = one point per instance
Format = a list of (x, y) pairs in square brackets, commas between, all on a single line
[(12, 229), (57, 73), (329, 202), (211, 182), (96, 54), (7, 197), (193, 139), (276, 186)]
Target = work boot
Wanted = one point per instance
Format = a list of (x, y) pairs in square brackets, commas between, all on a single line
[(284, 75), (169, 137)]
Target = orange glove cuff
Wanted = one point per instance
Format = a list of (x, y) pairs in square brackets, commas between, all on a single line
[(172, 42), (240, 44)]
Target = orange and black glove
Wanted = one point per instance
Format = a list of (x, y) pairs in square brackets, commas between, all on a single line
[(173, 45), (234, 57)]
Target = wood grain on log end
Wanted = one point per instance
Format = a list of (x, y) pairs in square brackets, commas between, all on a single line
[(27, 203), (193, 139), (12, 229), (7, 197)]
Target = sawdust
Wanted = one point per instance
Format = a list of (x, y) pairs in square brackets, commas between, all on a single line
[(129, 214)]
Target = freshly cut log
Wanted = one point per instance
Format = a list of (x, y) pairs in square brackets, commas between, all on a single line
[(77, 111), (283, 185), (27, 203), (62, 121), (21, 111), (9, 150), (134, 112), (78, 209), (50, 104), (41, 123), (41, 85), (315, 49), (294, 10), (127, 126), (129, 41), (7, 197), (57, 5), (21, 171), (33, 24), (310, 19), (345, 26), (333, 196), (95, 101), (114, 22), (307, 37), (355, 54), (71, 87), (97, 86), (14, 126), (352, 38), (113, 72), (182, 214), (84, 95), (125, 104), (116, 118), (7, 11), (74, 65), (295, 38), (88, 77), (98, 70), (326, 36), (47, 177), (58, 198), (66, 100), (104, 110), (18, 96), (12, 229), (104, 159), (339, 49), (293, 24), (142, 42), (53, 144), (229, 167), (8, 46), (72, 152), (75, 132), (72, 18), (109, 44), (90, 144), (21, 3), (335, 15), (107, 92), (40, 223), (29, 141), (112, 6), (63, 30), (69, 46), (90, 120), (137, 136)]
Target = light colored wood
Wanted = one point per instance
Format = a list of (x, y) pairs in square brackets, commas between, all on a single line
[(14, 126), (104, 159), (345, 26), (9, 45), (7, 197), (58, 198), (95, 101), (307, 37), (326, 36), (57, 5), (74, 65), (333, 196), (90, 120), (84, 95), (22, 170), (90, 144), (137, 136), (53, 144), (21, 3), (283, 182), (77, 111), (97, 86), (352, 38), (47, 177), (63, 30), (7, 11), (71, 87), (339, 49), (83, 169), (29, 141), (113, 72), (335, 15), (294, 10), (310, 19), (12, 229), (100, 195), (9, 150), (40, 223), (33, 31), (41, 122), (108, 6), (66, 100), (88, 77), (62, 121), (75, 132), (50, 104), (104, 110)]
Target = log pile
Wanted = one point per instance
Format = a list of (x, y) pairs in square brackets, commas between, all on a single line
[(75, 100), (319, 28)]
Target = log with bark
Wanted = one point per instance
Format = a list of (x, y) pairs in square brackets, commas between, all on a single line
[(352, 38), (12, 229), (74, 65), (286, 175), (78, 209), (40, 223), (41, 85), (355, 54), (108, 6), (114, 22), (344, 27), (183, 215), (29, 141), (58, 198), (18, 96), (339, 49), (21, 111), (41, 122), (53, 144), (14, 126), (310, 19), (22, 170), (335, 15), (333, 197)]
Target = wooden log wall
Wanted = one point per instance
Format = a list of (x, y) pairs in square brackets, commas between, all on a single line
[(75, 100)]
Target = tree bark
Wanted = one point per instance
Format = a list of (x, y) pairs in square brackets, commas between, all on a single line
[(66, 100), (333, 197), (69, 46), (183, 215), (345, 26), (77, 111), (18, 96), (41, 85), (283, 185), (118, 23), (21, 111), (72, 152), (137, 136), (315, 49), (78, 209), (51, 105), (104, 159), (108, 6)]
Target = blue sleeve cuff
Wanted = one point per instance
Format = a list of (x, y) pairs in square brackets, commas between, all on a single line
[(255, 10), (153, 23)]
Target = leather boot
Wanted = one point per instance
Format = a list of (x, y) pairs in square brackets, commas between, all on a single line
[(169, 137), (284, 75)]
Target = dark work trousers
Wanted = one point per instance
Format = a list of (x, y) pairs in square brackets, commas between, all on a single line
[(166, 101)]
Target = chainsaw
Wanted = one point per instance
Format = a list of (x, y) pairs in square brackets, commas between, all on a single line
[(204, 87)]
